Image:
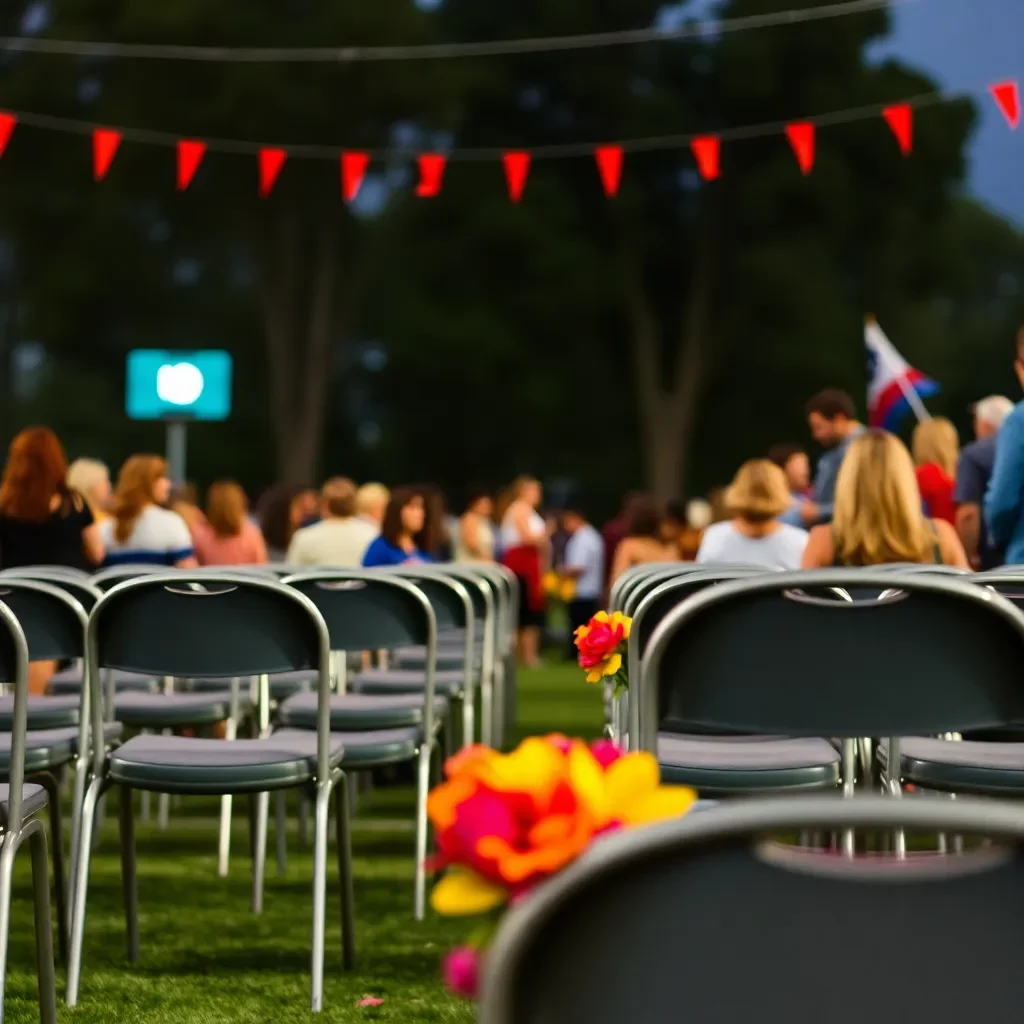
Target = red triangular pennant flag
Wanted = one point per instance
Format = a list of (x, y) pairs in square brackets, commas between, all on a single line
[(353, 170), (517, 169), (104, 146), (271, 161), (7, 123), (431, 174), (190, 155), (1007, 97), (706, 151), (900, 119), (801, 138), (609, 166)]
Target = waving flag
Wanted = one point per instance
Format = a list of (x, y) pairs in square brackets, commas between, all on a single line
[(893, 386)]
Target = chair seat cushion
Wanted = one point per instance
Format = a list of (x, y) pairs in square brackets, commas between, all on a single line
[(182, 764), (951, 765), (408, 680), (448, 657), (70, 681), (33, 800), (282, 685), (43, 712), (50, 748), (154, 710), (357, 712), (741, 764), (379, 747)]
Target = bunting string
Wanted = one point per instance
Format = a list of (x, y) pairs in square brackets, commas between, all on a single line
[(517, 162)]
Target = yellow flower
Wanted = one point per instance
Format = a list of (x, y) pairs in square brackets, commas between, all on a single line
[(598, 643)]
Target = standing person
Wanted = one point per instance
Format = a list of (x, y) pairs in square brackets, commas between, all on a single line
[(226, 535), (613, 533), (526, 550), (832, 418), (643, 543), (371, 503), (972, 476), (1004, 500), (584, 563), (91, 479), (794, 462), (280, 513), (42, 520), (475, 534), (936, 448), (140, 530), (403, 522), (340, 539), (754, 536), (879, 517)]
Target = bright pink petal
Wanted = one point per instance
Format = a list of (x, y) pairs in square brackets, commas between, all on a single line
[(370, 1001), (605, 752), (461, 970)]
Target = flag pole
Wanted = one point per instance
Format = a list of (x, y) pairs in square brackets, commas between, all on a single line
[(912, 397)]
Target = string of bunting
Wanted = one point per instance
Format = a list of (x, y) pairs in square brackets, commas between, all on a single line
[(609, 158)]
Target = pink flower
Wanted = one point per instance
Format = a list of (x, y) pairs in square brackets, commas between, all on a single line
[(462, 970), (370, 1001), (605, 752)]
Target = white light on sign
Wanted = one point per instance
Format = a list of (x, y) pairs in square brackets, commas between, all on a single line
[(179, 383)]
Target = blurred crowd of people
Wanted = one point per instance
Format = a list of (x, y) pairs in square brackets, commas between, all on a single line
[(871, 501)]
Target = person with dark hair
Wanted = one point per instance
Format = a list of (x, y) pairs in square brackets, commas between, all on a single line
[(793, 461), (643, 542), (475, 538), (280, 513), (832, 417), (614, 532), (433, 537), (583, 563), (1004, 500), (404, 521)]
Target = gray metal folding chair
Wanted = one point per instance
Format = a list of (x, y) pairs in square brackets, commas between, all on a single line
[(707, 920), (19, 805), (936, 655), (228, 625), (372, 610)]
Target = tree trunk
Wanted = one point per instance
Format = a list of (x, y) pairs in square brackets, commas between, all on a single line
[(668, 401), (301, 326)]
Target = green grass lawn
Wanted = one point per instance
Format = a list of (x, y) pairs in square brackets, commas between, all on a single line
[(206, 959)]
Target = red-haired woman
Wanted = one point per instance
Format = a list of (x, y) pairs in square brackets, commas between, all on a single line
[(42, 521)]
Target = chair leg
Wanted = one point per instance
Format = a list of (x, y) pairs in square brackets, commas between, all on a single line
[(81, 886), (163, 802), (44, 929), (323, 806), (129, 883), (52, 787), (224, 842), (343, 839), (468, 713), (422, 790), (77, 796), (145, 799), (7, 851), (281, 830), (486, 713), (259, 852)]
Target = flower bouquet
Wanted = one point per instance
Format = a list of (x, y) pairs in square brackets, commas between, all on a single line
[(558, 587), (506, 822), (602, 644)]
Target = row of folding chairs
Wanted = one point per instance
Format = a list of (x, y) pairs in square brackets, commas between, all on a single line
[(747, 681), (228, 626)]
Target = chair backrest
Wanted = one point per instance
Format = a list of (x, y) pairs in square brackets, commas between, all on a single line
[(195, 625), (53, 621), (767, 655), (703, 920), (14, 660), (647, 585), (105, 579), (450, 599), (78, 585), (621, 587), (914, 567)]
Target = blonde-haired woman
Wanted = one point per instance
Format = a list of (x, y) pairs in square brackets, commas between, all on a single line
[(525, 550), (91, 479), (140, 531), (936, 448), (878, 518), (754, 536)]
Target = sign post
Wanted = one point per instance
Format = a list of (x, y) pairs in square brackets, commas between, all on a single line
[(177, 387)]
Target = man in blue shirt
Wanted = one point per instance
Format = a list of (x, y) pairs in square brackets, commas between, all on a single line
[(584, 563), (1004, 500), (973, 472), (832, 417)]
